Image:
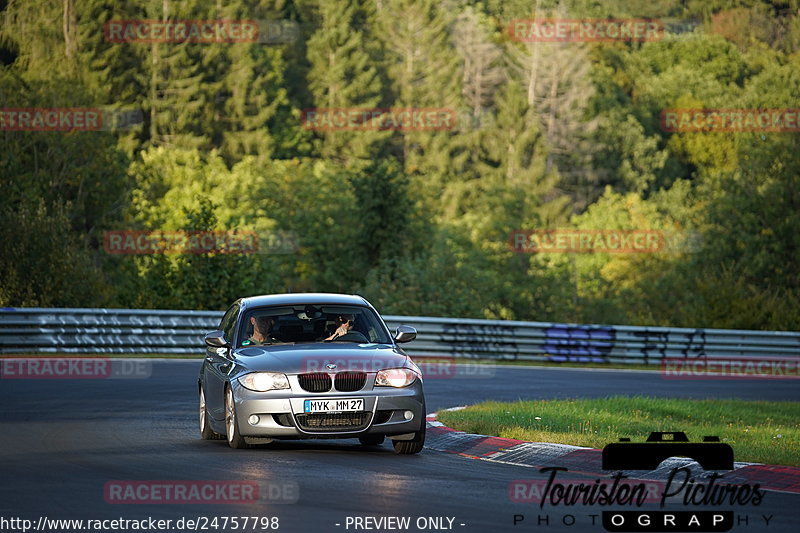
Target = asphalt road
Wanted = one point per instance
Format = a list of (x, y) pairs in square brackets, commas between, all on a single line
[(64, 441)]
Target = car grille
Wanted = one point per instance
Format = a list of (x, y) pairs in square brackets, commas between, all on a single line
[(321, 382), (350, 381), (320, 422), (315, 382)]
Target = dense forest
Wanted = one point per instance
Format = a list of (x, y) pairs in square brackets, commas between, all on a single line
[(546, 135)]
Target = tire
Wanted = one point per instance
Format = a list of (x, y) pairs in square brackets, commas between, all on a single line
[(206, 433), (235, 439), (410, 447), (372, 440)]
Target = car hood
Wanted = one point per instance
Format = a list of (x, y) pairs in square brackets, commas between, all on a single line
[(301, 358)]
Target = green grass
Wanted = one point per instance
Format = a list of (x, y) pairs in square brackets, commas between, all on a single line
[(760, 432)]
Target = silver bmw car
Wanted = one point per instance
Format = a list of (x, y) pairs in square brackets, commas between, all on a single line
[(300, 366)]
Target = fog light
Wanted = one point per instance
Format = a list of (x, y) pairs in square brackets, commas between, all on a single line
[(253, 420), (408, 415)]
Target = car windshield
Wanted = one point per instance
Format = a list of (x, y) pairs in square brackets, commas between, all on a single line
[(311, 323)]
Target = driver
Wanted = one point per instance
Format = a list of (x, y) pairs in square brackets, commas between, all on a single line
[(344, 323), (262, 326)]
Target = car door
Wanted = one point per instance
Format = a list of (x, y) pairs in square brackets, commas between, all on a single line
[(218, 363)]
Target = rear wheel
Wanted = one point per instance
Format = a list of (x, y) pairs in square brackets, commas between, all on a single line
[(235, 439), (205, 426), (410, 447), (372, 440)]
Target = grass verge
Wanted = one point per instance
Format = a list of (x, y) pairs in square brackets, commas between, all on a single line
[(759, 432)]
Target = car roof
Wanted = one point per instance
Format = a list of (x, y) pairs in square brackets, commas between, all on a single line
[(303, 298)]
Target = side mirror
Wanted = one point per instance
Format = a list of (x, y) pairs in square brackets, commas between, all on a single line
[(216, 339), (405, 334)]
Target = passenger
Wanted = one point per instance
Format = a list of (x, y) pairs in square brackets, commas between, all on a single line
[(262, 326), (344, 323)]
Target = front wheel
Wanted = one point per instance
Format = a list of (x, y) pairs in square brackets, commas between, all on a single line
[(410, 447), (235, 439), (205, 426)]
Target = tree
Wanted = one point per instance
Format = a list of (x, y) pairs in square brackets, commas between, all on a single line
[(255, 114), (557, 77), (60, 190), (483, 69), (424, 73), (343, 75)]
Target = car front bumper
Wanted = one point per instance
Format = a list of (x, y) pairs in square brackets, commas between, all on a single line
[(387, 411)]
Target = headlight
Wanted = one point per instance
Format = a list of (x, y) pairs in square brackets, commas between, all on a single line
[(264, 381), (395, 377)]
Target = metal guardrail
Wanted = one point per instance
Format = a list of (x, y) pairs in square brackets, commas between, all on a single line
[(41, 330)]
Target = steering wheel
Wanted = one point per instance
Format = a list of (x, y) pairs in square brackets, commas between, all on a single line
[(352, 335)]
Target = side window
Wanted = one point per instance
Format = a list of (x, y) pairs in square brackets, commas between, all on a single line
[(228, 322)]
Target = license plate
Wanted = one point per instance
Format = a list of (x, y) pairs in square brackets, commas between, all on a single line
[(340, 405)]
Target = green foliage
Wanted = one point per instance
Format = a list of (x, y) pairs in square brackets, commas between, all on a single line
[(431, 281), (547, 136), (44, 263), (344, 75), (59, 192)]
